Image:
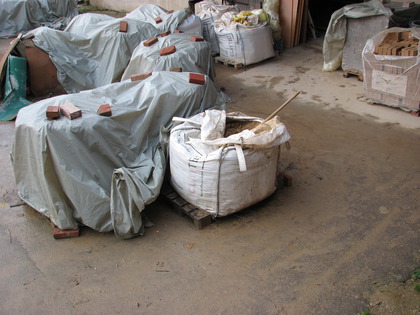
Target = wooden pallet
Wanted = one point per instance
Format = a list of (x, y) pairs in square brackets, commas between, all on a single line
[(350, 73), (227, 62), (200, 217)]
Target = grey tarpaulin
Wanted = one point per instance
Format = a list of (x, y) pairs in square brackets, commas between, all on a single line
[(102, 171), (335, 37), (190, 56), (20, 16), (92, 52)]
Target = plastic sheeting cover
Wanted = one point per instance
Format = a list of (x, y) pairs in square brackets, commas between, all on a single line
[(102, 171), (92, 52), (20, 16), (335, 37), (190, 56)]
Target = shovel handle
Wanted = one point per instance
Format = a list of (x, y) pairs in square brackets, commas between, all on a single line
[(281, 107)]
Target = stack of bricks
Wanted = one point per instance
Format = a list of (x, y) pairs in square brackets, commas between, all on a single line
[(398, 44)]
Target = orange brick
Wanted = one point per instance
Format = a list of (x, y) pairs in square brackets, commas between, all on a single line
[(150, 41), (176, 69), (177, 32), (158, 20), (165, 33), (53, 112), (123, 26), (197, 78), (168, 50), (196, 38), (70, 111), (104, 110), (140, 76), (61, 234)]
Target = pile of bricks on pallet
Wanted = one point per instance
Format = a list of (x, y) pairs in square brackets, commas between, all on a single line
[(398, 44), (392, 77)]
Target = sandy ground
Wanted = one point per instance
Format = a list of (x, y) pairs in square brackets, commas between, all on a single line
[(349, 223)]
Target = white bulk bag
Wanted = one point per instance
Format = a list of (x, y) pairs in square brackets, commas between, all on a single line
[(211, 12), (224, 175), (244, 44)]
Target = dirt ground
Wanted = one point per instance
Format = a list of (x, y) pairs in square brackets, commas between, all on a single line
[(347, 229)]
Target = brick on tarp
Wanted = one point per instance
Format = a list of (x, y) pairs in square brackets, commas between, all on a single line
[(170, 12), (123, 26), (158, 20), (176, 69), (165, 33), (104, 110), (167, 50), (53, 112), (197, 78), (177, 32), (150, 41), (140, 76), (70, 111), (62, 234), (196, 39)]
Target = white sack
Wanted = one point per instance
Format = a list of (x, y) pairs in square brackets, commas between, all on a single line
[(224, 175), (190, 56), (211, 12), (102, 171), (244, 44)]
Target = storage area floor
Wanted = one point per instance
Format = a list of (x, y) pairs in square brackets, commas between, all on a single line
[(349, 223)]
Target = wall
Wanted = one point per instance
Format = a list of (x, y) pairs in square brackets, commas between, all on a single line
[(130, 5)]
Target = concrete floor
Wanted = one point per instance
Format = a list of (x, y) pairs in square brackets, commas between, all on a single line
[(349, 222)]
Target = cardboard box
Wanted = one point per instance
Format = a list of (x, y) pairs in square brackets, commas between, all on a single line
[(43, 79)]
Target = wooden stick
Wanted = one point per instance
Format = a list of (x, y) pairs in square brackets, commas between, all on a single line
[(281, 107)]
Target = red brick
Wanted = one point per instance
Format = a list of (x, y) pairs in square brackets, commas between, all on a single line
[(170, 12), (168, 50), (177, 32), (61, 234), (158, 20), (140, 76), (165, 33), (287, 179), (150, 41), (415, 113), (70, 111), (197, 78), (53, 112), (123, 26), (104, 110), (196, 38), (176, 69)]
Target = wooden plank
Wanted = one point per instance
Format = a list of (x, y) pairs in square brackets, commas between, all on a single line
[(304, 31), (285, 17)]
